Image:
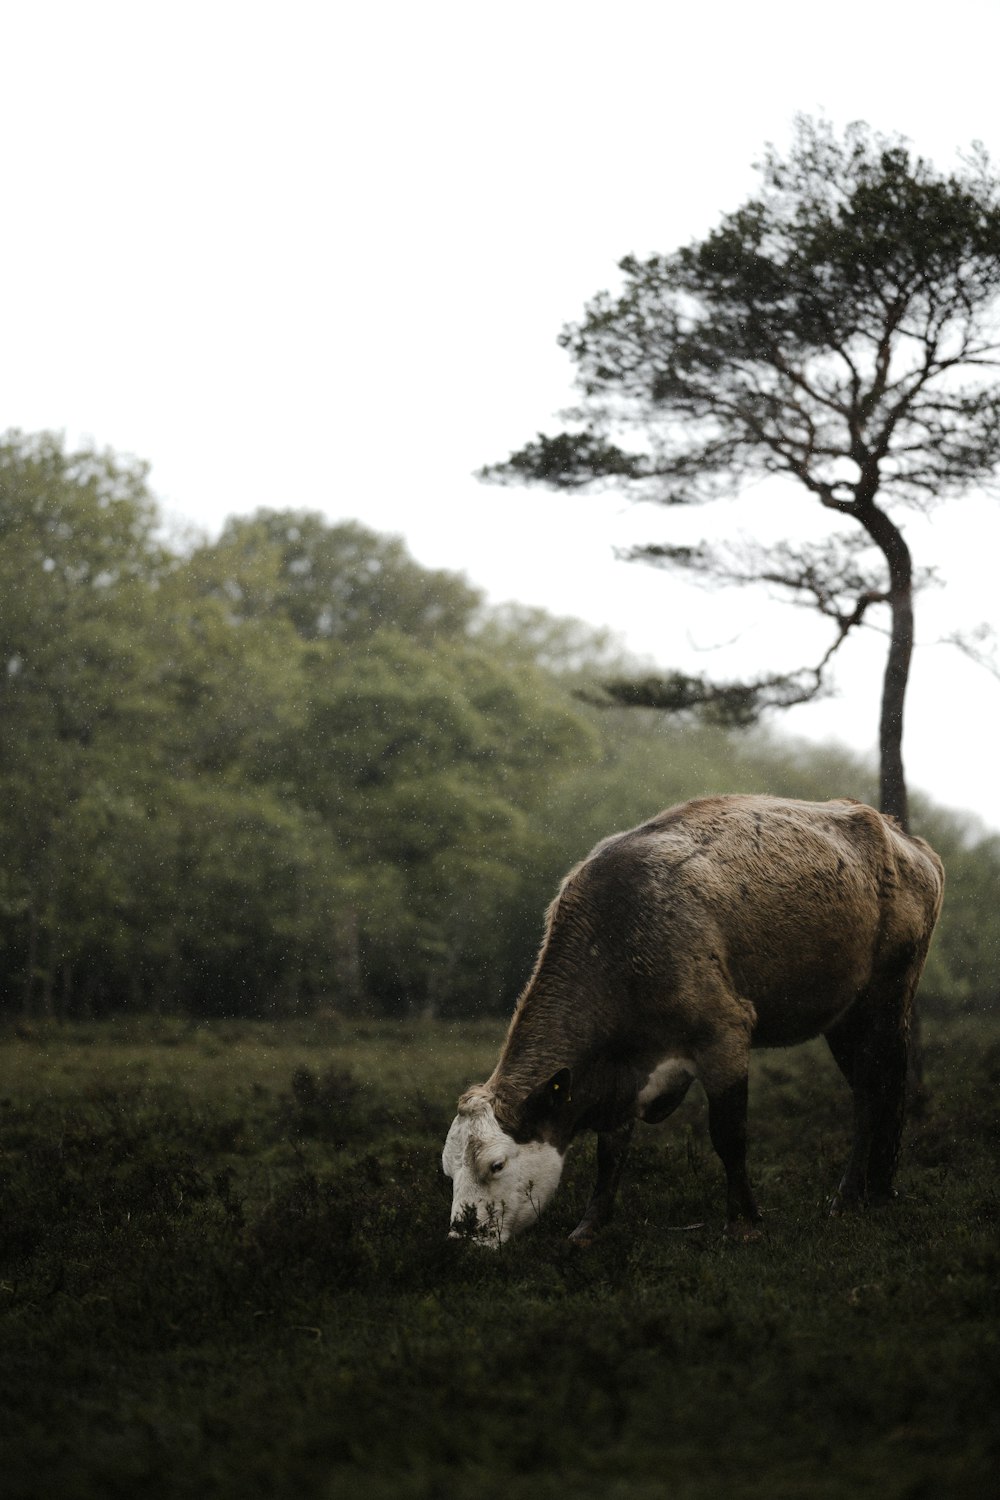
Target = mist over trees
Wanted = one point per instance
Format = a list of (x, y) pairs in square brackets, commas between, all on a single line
[(290, 768)]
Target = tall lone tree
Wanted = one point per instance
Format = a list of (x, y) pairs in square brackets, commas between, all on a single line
[(840, 330)]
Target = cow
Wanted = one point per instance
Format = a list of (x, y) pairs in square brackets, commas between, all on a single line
[(722, 924)]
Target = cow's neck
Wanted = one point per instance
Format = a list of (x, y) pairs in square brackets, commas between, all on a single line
[(540, 1043)]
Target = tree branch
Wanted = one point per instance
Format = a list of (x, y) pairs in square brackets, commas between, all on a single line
[(980, 645)]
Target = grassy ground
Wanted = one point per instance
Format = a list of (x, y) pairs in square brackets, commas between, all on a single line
[(224, 1271)]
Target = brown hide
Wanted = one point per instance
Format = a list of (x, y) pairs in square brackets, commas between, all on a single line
[(721, 924)]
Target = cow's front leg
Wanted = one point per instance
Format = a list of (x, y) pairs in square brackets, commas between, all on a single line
[(612, 1149), (727, 1125)]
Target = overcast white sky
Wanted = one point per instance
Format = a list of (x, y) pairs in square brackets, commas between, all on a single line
[(318, 255)]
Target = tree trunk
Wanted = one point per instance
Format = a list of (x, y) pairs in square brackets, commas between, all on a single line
[(49, 978), (347, 959), (892, 780), (32, 958)]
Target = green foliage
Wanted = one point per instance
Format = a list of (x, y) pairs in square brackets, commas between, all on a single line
[(836, 333), (739, 704), (963, 970), (338, 582), (224, 1269), (822, 331), (278, 770), (290, 769)]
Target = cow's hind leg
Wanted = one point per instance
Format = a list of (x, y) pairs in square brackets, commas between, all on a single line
[(612, 1148), (727, 1126), (870, 1047)]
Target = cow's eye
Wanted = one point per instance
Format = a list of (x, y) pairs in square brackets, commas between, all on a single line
[(497, 1166)]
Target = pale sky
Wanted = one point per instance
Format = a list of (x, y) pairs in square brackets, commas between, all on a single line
[(317, 255)]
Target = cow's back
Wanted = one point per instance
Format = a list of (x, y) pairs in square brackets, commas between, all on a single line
[(795, 907)]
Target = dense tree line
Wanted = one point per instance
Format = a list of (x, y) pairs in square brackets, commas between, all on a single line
[(290, 767)]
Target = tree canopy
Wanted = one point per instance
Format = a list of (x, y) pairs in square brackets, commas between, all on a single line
[(837, 333), (289, 768)]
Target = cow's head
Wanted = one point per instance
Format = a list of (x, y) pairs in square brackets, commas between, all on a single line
[(501, 1182)]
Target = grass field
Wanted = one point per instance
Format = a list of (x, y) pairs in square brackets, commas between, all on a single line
[(224, 1272)]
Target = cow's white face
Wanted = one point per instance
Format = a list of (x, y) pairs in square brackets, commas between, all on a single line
[(503, 1184)]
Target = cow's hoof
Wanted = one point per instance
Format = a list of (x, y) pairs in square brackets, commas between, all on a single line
[(853, 1203), (586, 1232), (841, 1205), (843, 1208), (743, 1231), (583, 1236)]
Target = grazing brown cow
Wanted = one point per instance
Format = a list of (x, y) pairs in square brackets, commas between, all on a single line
[(722, 924)]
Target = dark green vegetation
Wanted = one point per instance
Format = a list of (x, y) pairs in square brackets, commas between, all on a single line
[(291, 769), (223, 1272), (290, 776)]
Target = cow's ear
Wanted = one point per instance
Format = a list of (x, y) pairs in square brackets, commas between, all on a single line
[(559, 1088), (547, 1099)]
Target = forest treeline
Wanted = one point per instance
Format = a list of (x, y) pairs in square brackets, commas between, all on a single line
[(291, 768)]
